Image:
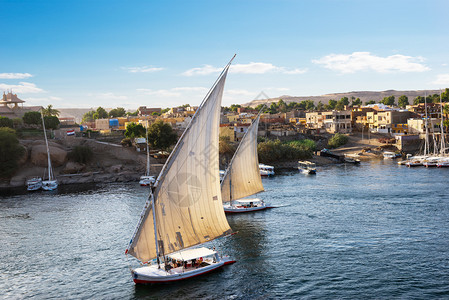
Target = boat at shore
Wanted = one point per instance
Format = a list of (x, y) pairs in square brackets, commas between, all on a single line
[(34, 184), (266, 170), (147, 179), (390, 155), (242, 178), (307, 167), (51, 183), (184, 209)]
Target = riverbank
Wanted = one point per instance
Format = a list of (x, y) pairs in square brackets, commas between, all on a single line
[(114, 163)]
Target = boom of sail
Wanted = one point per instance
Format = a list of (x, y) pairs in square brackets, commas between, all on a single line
[(242, 177), (185, 207)]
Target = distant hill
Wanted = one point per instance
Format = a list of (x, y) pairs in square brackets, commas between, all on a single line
[(76, 113), (364, 96)]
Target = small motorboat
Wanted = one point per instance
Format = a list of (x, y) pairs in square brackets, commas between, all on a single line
[(266, 170), (307, 167), (34, 184)]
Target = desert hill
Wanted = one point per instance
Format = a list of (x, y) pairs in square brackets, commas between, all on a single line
[(363, 95)]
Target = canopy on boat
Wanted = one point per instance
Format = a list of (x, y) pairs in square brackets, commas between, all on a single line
[(247, 200), (192, 254)]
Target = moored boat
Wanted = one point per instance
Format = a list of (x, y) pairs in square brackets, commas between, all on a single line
[(443, 163), (266, 170), (51, 183), (307, 167), (34, 184)]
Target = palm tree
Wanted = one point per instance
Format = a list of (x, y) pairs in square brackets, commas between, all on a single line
[(50, 111)]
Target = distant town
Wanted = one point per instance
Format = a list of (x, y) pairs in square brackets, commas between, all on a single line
[(401, 118)]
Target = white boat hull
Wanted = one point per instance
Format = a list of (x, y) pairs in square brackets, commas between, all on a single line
[(34, 184), (307, 171), (232, 209), (153, 274), (49, 185)]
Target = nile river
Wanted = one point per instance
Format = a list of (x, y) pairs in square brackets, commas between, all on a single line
[(376, 231)]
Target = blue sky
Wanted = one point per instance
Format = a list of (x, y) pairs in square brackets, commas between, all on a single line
[(85, 54)]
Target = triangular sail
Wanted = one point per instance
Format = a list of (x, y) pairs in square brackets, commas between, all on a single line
[(187, 195), (50, 170), (147, 172), (242, 177)]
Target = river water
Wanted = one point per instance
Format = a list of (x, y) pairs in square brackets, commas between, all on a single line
[(376, 231)]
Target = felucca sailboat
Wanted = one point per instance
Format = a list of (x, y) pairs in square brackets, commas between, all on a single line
[(185, 208), (147, 180), (51, 183), (242, 177)]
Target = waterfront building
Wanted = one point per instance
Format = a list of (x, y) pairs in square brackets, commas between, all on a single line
[(337, 121), (315, 120)]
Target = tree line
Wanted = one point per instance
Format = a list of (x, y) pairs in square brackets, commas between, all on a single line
[(282, 107)]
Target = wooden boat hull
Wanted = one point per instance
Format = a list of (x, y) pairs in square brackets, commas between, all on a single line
[(153, 275)]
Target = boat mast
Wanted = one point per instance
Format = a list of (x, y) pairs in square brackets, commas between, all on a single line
[(443, 144), (426, 140), (155, 228), (170, 157), (48, 151), (147, 173)]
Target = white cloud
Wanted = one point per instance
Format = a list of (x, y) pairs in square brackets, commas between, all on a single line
[(22, 87), (43, 99), (144, 69), (250, 68), (176, 92), (359, 61), (107, 96), (15, 75), (205, 70), (191, 89), (442, 79), (160, 93)]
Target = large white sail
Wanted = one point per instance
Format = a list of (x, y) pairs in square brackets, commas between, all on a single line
[(242, 177), (187, 194)]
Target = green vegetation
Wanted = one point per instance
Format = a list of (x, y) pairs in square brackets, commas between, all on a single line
[(117, 112), (161, 135), (370, 102), (100, 113), (356, 102), (50, 111), (51, 122), (132, 113), (337, 140), (126, 142), (134, 130), (81, 154), (10, 152), (6, 122), (403, 101), (32, 118), (92, 115), (388, 100), (274, 151)]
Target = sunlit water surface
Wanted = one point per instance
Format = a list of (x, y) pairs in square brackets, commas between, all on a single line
[(377, 230)]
